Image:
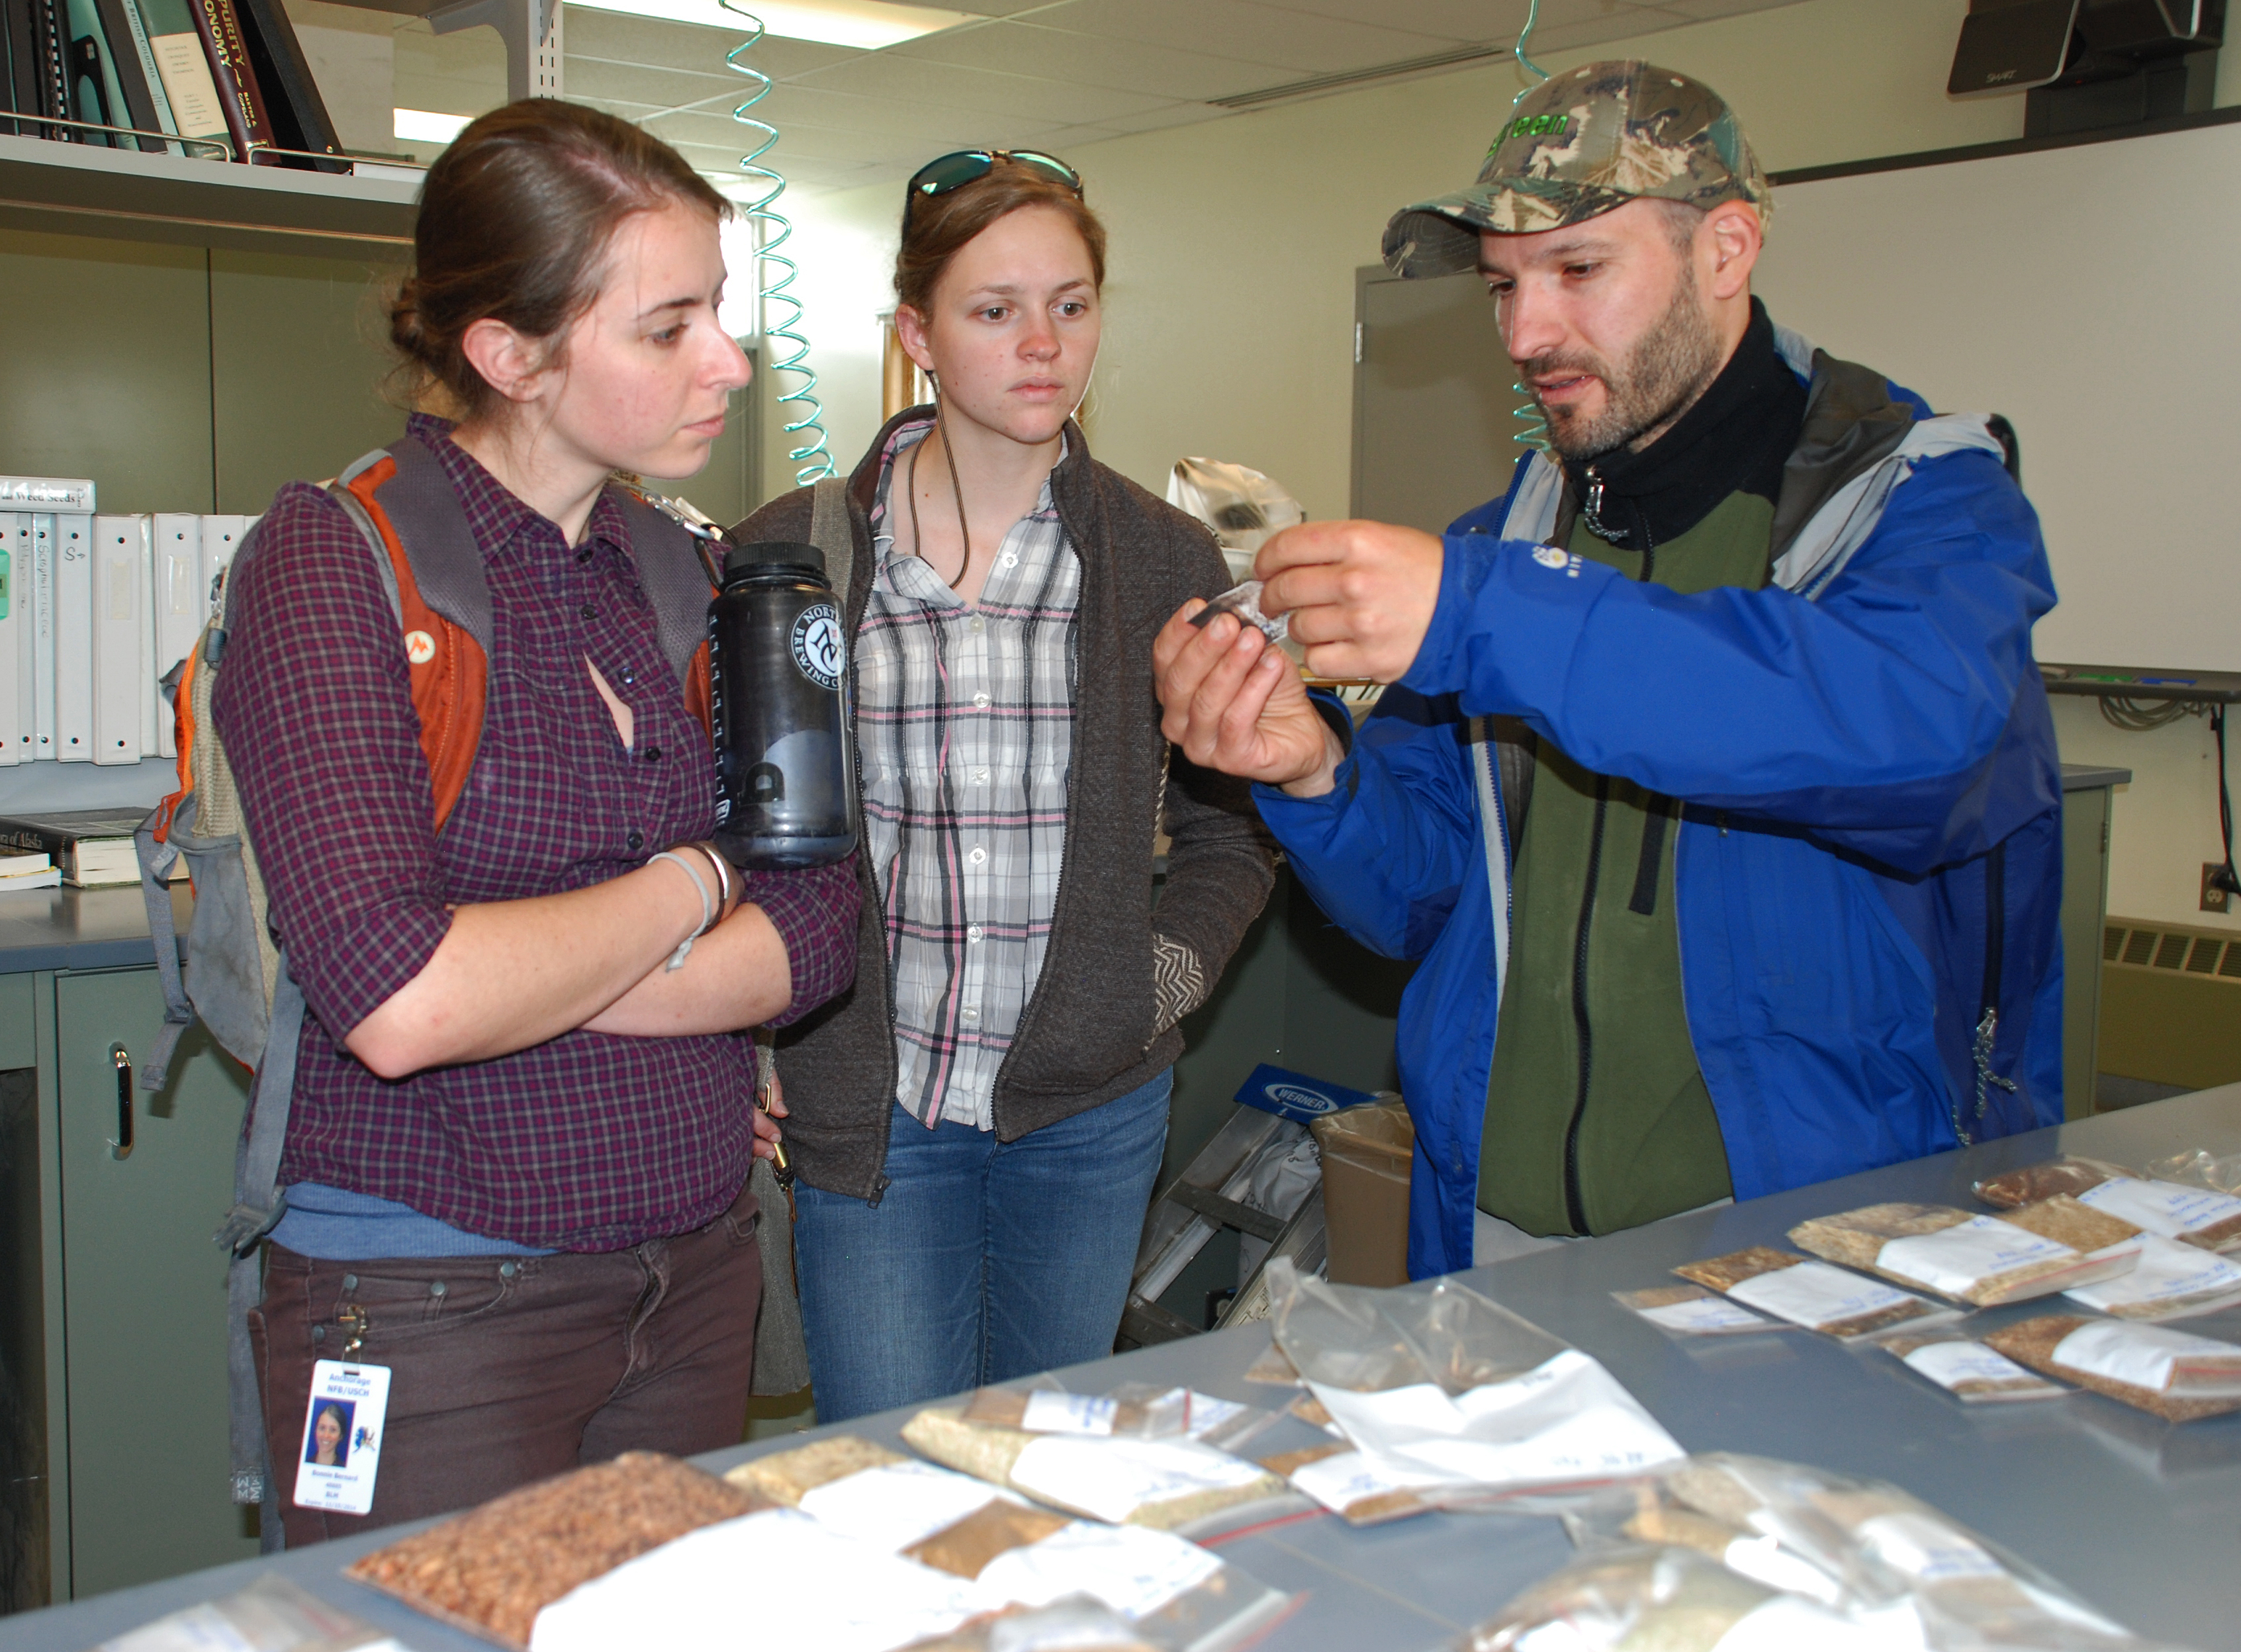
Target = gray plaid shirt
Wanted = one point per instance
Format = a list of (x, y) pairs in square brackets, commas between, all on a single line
[(964, 717)]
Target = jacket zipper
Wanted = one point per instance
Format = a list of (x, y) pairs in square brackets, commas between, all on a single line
[(1575, 1204), (1987, 1030)]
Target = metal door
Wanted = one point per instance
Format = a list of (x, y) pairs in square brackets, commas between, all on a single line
[(143, 1289), (1433, 404)]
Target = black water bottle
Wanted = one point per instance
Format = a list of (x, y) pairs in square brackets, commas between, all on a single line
[(777, 662)]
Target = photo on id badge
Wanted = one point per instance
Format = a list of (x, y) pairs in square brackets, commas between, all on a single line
[(342, 1437)]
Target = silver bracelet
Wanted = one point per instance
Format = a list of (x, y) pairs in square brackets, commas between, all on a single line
[(708, 907)]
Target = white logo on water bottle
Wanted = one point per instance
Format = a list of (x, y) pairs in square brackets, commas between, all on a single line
[(816, 645)]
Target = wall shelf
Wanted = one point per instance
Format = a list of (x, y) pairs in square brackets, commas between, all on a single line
[(80, 188)]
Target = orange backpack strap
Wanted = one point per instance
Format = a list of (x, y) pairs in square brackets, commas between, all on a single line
[(448, 662)]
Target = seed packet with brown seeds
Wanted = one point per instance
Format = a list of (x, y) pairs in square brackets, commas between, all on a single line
[(964, 1548), (2027, 1186), (1810, 1293), (2033, 1342), (1980, 1261), (1690, 1310), (491, 1570), (788, 1476), (1967, 1369)]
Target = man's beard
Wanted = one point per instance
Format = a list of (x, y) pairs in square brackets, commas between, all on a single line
[(1667, 369)]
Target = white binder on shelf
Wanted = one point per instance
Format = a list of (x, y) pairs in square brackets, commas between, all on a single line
[(15, 563), (120, 646), (42, 635), (182, 601), (222, 537), (152, 692), (73, 638)]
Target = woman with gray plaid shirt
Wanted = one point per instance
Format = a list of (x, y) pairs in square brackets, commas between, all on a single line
[(978, 1125)]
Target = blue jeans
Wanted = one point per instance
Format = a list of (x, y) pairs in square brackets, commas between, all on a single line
[(984, 1261)]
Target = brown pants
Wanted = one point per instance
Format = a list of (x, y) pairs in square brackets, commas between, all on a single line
[(505, 1370)]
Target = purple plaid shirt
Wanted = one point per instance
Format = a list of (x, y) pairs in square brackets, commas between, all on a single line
[(588, 1141)]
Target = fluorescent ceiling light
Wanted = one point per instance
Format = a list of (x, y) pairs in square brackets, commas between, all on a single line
[(867, 24), (426, 126)]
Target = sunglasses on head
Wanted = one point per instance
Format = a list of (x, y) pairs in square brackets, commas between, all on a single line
[(947, 172)]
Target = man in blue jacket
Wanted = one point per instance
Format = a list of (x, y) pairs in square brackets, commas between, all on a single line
[(1715, 786)]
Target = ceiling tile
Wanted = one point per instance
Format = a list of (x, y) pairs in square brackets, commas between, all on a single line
[(650, 88), (1699, 10), (1450, 19), (916, 125), (1245, 29), (589, 32), (1594, 31), (1090, 60), (1061, 139), (1173, 115), (1014, 97)]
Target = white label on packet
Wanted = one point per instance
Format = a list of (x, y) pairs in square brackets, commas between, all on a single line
[(1702, 1316), (1814, 1294), (1954, 1260), (1785, 1624), (1950, 1364), (1926, 1550), (898, 1504), (341, 1449), (2165, 1207), (1566, 1419), (1207, 1413), (1345, 1478), (1763, 1559), (2142, 1356), (1131, 1569), (1111, 1478), (1049, 1413), (2167, 1272)]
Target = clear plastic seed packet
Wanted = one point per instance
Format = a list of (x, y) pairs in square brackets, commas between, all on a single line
[(1690, 1310), (1010, 1558), (1450, 1398), (1967, 1369), (2173, 1280), (1726, 1553), (1811, 1294), (1162, 1483), (2034, 1250), (2173, 1375), (1243, 600), (271, 1615)]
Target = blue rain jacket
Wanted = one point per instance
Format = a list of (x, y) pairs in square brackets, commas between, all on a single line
[(1870, 849)]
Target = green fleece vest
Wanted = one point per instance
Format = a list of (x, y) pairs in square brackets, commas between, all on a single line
[(1597, 1116)]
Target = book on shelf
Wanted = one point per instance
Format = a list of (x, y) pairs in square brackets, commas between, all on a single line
[(183, 66), (292, 104), (49, 44), (41, 602), (145, 104), (122, 660), (15, 670), (96, 88), (238, 94), (92, 847)]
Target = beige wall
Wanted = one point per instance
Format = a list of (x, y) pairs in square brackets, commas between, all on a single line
[(1229, 313)]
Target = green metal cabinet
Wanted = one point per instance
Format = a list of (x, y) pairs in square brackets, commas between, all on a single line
[(133, 1289)]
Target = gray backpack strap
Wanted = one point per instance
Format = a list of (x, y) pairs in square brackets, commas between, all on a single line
[(831, 531), (673, 576), (431, 525), (258, 1209)]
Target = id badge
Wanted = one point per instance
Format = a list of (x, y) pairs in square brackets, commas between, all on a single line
[(341, 1450)]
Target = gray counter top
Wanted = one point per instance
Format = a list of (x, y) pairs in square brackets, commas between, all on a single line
[(2136, 1514), (2084, 777), (80, 928)]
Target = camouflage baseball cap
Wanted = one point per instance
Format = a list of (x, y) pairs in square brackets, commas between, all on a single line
[(1579, 144)]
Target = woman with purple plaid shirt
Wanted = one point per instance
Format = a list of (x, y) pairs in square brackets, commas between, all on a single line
[(977, 1128), (516, 1161)]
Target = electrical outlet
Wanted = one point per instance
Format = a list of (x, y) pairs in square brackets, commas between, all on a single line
[(2214, 895)]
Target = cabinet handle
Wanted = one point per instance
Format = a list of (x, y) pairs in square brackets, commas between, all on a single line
[(121, 1059)]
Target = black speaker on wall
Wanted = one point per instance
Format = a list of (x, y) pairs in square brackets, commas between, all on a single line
[(2088, 66)]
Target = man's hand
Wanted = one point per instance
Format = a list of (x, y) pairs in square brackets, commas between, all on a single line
[(1233, 702), (1361, 594)]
